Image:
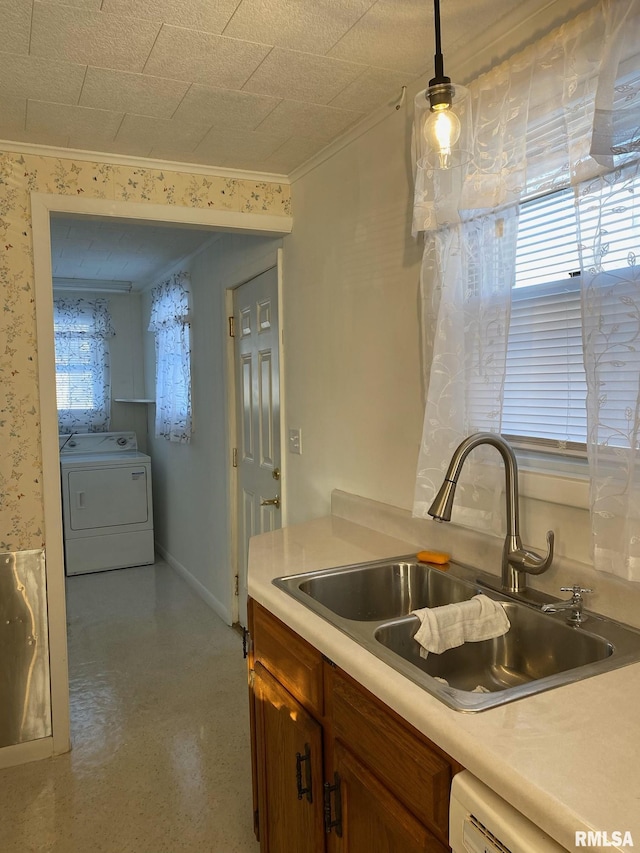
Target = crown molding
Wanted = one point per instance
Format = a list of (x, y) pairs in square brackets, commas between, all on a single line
[(140, 162)]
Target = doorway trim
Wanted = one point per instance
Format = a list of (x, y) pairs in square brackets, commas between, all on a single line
[(42, 206)]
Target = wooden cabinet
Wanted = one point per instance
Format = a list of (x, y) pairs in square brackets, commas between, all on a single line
[(335, 769), (372, 818), (290, 787)]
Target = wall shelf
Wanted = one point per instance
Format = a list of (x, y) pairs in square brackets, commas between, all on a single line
[(133, 400)]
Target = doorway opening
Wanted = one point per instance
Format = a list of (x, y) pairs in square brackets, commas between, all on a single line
[(261, 235)]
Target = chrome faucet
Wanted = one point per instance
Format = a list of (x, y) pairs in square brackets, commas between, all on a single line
[(574, 604), (516, 560)]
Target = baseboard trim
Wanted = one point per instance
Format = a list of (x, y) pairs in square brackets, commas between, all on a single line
[(22, 753), (199, 588)]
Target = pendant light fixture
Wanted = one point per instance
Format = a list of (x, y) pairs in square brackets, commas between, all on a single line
[(443, 115)]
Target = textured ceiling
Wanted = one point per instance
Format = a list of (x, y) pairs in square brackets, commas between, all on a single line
[(260, 85), (101, 250)]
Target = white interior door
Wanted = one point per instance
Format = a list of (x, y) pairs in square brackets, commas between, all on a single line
[(255, 311)]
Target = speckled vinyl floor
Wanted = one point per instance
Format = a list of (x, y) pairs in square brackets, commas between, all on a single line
[(159, 722)]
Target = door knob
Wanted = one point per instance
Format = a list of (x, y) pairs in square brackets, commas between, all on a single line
[(272, 502)]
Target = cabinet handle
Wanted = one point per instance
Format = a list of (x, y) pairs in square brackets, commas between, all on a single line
[(245, 645), (335, 822), (307, 788)]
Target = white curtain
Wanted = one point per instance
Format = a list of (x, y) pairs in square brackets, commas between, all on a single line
[(559, 114), (82, 329), (170, 318), (611, 343)]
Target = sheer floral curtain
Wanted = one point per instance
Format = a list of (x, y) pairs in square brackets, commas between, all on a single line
[(559, 114), (170, 319), (82, 329)]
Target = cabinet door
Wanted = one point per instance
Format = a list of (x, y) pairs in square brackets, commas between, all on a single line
[(372, 818), (289, 751), (415, 771)]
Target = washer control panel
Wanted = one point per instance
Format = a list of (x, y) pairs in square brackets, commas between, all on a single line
[(97, 442)]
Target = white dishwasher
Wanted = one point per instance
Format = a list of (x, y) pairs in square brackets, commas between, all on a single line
[(482, 822)]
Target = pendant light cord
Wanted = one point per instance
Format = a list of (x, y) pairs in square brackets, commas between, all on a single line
[(438, 58)]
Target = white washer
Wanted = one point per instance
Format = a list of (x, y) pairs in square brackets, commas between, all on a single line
[(107, 508)]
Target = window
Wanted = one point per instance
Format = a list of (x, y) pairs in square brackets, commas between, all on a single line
[(82, 329), (545, 384), (545, 390), (170, 317)]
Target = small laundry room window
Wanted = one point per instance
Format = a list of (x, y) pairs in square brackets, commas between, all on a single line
[(82, 329)]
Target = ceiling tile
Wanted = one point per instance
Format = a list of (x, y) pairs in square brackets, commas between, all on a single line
[(129, 148), (311, 120), (16, 24), (246, 164), (85, 127), (206, 15), (117, 251), (58, 139), (165, 149), (145, 130), (224, 108), (132, 93), (40, 79), (98, 255), (13, 113), (204, 58), (292, 154), (255, 84), (244, 143), (227, 158), (370, 90), (302, 76), (91, 38), (313, 27), (395, 34)]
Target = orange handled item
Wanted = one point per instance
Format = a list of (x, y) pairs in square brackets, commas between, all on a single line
[(437, 557)]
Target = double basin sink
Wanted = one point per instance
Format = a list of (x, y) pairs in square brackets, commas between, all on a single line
[(372, 603)]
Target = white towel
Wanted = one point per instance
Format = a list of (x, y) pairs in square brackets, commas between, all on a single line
[(442, 628), (477, 689)]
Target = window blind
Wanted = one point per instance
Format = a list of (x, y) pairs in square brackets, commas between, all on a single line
[(74, 372), (82, 329), (545, 384)]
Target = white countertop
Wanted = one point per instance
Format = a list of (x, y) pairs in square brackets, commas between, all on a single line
[(566, 758)]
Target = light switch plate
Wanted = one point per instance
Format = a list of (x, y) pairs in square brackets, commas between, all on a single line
[(295, 440)]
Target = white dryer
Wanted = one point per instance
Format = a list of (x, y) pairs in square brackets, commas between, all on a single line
[(106, 502)]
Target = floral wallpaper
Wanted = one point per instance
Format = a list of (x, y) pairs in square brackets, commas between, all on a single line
[(21, 502)]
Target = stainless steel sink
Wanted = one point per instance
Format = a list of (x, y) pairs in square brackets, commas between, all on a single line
[(384, 590), (372, 603), (533, 648)]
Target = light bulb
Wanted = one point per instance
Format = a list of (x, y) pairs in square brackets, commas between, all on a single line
[(442, 131)]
